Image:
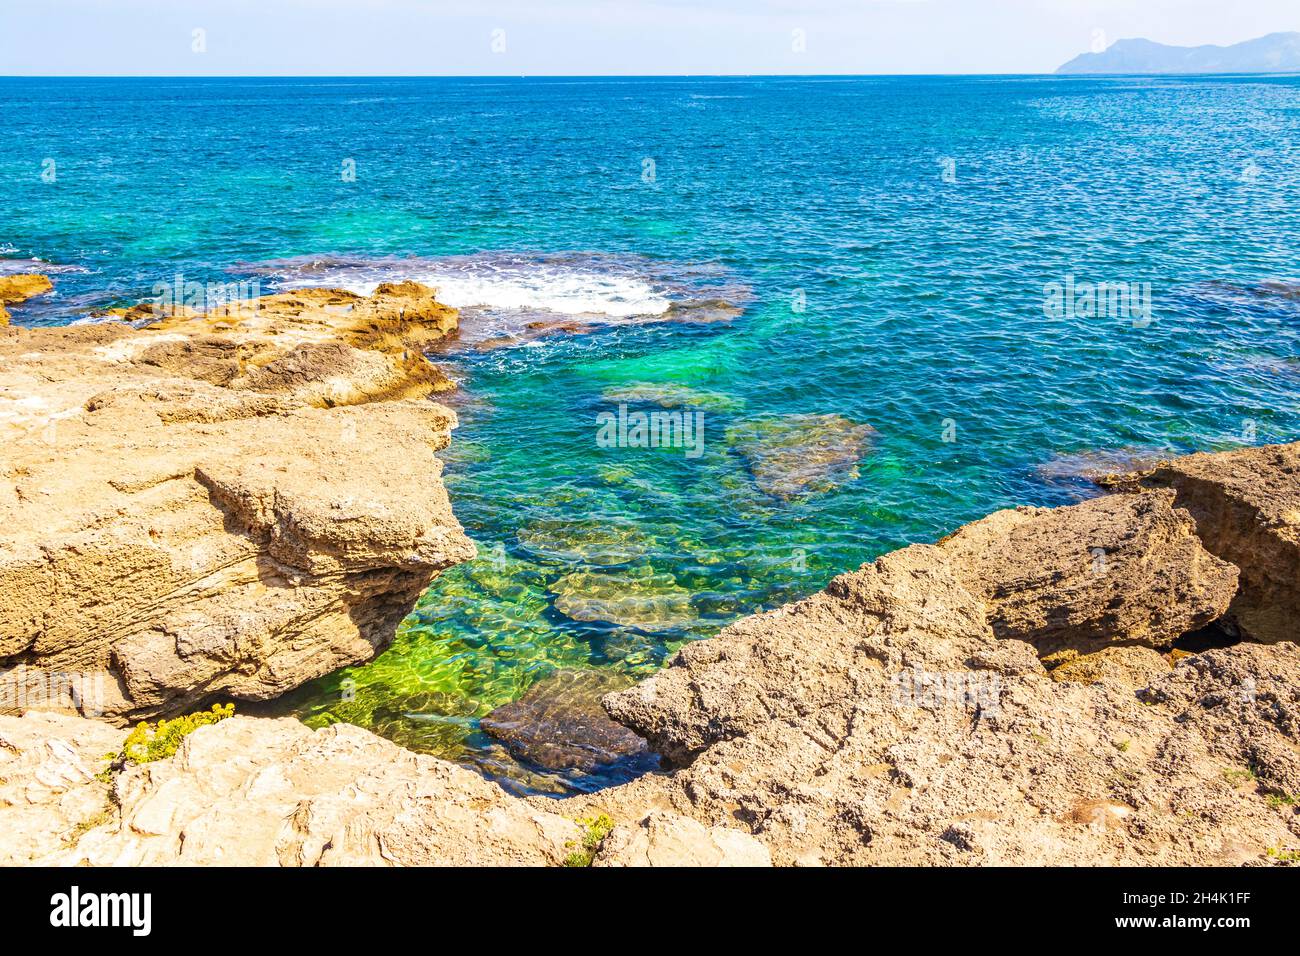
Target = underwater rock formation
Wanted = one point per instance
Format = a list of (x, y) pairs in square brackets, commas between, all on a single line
[(793, 456), (231, 503), (559, 724)]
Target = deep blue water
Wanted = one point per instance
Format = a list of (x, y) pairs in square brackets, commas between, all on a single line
[(891, 241)]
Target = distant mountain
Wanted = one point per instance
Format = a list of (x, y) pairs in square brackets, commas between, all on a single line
[(1275, 53)]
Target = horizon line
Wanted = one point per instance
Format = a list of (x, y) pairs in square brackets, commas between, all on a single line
[(611, 76)]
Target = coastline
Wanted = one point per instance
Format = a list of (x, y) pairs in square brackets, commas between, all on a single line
[(897, 717)]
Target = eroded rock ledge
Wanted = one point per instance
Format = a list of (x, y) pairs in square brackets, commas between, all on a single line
[(905, 716), (231, 503)]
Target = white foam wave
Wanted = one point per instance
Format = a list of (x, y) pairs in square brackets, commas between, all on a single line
[(554, 287)]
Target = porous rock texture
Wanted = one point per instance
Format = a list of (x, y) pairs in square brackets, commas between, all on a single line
[(272, 792), (883, 722), (230, 503), (1125, 568), (261, 792), (1246, 504)]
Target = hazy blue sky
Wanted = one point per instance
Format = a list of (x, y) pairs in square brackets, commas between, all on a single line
[(513, 37)]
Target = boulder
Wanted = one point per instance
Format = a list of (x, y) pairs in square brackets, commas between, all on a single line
[(1121, 569), (558, 723), (1246, 505), (639, 597), (882, 722)]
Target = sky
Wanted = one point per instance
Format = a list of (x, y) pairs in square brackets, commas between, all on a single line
[(599, 37)]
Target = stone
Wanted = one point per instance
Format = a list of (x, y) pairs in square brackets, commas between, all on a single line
[(795, 456), (558, 723), (226, 504), (1129, 666), (1121, 569), (639, 597), (669, 839), (1246, 506), (262, 792), (19, 288), (882, 722), (672, 395)]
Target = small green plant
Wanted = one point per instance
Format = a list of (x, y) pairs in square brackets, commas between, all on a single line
[(1279, 800), (595, 829), (1283, 856), (85, 826), (1238, 775), (158, 741), (1123, 745)]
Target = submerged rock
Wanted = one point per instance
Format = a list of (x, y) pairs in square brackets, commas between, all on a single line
[(20, 288), (559, 724), (672, 395), (233, 503), (792, 456), (1121, 569), (596, 541), (1246, 505), (1082, 472), (639, 597)]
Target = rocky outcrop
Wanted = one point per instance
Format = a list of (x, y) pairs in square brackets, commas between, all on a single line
[(1246, 505), (254, 792), (558, 723), (223, 504), (20, 288), (267, 792), (1122, 569), (883, 722)]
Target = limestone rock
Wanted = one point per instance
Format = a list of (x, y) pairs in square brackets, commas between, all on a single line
[(48, 785), (1246, 505), (1125, 568), (1129, 666), (638, 597), (20, 288), (673, 395), (254, 792), (233, 503), (668, 839), (558, 723), (883, 723)]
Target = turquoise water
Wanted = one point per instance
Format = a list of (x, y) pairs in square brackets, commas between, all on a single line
[(890, 243)]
